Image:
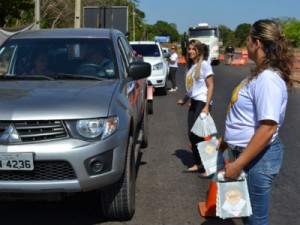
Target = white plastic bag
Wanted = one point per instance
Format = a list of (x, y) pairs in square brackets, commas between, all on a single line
[(204, 126)]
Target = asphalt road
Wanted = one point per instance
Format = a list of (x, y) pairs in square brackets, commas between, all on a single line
[(166, 196)]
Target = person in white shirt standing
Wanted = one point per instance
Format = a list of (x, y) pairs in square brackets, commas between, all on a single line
[(173, 60), (256, 113), (199, 86)]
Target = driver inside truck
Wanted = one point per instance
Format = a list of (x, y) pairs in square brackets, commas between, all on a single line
[(39, 64), (96, 63)]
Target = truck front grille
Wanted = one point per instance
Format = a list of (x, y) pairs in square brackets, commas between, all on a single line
[(43, 170), (36, 131)]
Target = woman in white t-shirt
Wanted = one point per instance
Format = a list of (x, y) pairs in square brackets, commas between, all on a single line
[(256, 113), (199, 86), (173, 60)]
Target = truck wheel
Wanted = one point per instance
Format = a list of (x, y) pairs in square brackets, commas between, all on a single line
[(144, 143), (150, 106), (118, 200)]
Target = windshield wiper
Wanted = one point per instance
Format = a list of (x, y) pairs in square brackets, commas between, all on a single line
[(76, 76), (25, 77)]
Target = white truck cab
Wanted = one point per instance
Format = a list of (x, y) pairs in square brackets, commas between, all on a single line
[(210, 36)]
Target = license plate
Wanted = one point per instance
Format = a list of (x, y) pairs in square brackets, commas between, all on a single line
[(16, 161)]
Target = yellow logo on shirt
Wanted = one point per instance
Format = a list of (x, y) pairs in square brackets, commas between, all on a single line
[(234, 96), (189, 81)]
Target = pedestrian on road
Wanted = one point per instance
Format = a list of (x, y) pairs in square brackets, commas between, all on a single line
[(256, 113), (199, 86), (229, 51), (206, 55), (173, 60)]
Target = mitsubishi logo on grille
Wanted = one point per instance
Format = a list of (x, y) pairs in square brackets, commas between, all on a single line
[(10, 135)]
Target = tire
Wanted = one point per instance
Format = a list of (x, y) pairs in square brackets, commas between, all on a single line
[(163, 90), (118, 200), (215, 63), (144, 143), (150, 107)]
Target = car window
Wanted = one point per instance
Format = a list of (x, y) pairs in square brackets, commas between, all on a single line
[(127, 50), (6, 54), (148, 50), (125, 54), (52, 56)]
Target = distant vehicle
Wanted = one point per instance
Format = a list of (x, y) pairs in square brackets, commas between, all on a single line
[(210, 36), (153, 54), (79, 127), (167, 54), (165, 50)]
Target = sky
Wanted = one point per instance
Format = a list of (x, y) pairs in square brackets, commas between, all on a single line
[(231, 13)]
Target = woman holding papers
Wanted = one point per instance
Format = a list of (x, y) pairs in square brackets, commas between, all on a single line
[(199, 86), (256, 113)]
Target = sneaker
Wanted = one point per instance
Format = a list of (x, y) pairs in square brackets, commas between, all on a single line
[(176, 88), (172, 90)]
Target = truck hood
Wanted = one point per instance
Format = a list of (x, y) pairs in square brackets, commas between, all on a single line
[(152, 60), (36, 100), (209, 41)]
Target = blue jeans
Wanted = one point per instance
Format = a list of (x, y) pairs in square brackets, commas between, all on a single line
[(260, 174)]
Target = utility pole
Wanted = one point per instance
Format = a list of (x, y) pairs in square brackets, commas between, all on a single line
[(133, 22), (77, 14), (37, 14)]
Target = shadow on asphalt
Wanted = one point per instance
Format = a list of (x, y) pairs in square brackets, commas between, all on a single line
[(139, 163), (185, 156), (217, 221)]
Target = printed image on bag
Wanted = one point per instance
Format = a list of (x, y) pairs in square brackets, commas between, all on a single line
[(232, 197), (212, 159)]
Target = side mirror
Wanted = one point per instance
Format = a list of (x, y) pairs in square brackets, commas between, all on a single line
[(139, 70)]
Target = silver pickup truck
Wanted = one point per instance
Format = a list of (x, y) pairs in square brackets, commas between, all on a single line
[(73, 116)]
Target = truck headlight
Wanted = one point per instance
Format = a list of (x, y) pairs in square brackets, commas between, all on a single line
[(91, 129), (158, 66)]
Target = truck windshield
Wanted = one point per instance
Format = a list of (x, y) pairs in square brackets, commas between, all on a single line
[(58, 56), (202, 33), (147, 50)]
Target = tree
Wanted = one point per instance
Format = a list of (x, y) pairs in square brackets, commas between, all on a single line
[(12, 9), (241, 33), (283, 21), (292, 32), (162, 28), (227, 35)]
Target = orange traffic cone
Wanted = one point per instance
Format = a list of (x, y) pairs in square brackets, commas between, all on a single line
[(208, 208), (222, 57), (296, 64), (238, 62), (245, 54), (182, 60)]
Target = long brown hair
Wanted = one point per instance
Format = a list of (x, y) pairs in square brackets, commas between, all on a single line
[(279, 54), (199, 49)]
